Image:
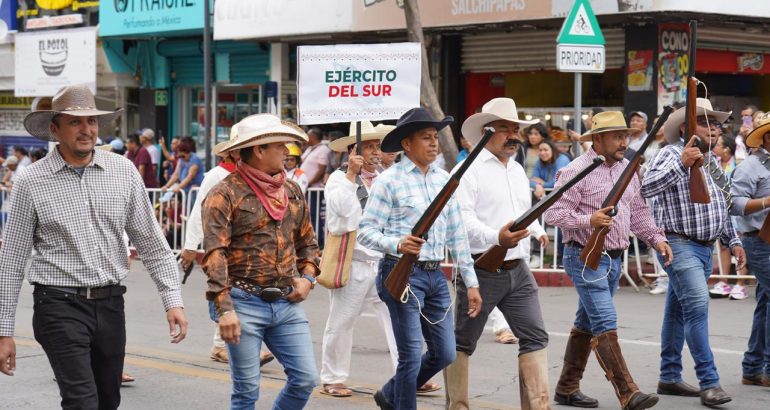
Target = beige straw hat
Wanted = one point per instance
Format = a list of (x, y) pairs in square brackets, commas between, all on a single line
[(608, 121)]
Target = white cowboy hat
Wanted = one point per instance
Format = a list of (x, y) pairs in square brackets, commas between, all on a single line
[(757, 135), (368, 132), (495, 109), (220, 149), (608, 121), (75, 100), (703, 108), (261, 129)]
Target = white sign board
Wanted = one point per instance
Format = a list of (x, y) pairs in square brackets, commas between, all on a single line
[(353, 82), (48, 60), (580, 58)]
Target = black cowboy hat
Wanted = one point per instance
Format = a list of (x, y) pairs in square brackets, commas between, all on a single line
[(409, 123)]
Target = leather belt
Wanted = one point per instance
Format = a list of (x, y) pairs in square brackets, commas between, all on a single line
[(507, 265), (424, 265), (752, 233), (268, 294), (707, 244), (614, 253), (101, 292)]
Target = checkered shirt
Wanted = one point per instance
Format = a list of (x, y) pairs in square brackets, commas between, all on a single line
[(667, 180), (75, 224), (398, 198)]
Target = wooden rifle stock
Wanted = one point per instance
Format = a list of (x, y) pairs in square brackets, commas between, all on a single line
[(699, 190), (398, 278), (593, 248), (494, 257), (764, 232)]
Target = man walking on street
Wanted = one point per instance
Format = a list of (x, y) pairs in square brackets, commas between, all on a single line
[(751, 201), (398, 198), (691, 229), (72, 208), (493, 191), (578, 213), (261, 263)]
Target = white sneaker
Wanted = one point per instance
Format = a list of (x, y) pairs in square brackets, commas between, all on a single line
[(661, 286), (534, 262), (720, 290), (739, 293)]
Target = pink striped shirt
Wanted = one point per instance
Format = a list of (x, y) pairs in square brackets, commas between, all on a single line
[(572, 212)]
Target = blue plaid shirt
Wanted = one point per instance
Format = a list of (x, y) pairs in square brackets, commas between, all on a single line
[(667, 180), (397, 200)]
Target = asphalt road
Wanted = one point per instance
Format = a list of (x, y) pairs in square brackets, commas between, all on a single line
[(183, 377)]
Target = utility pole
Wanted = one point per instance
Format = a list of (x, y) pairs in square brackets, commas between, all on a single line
[(207, 80)]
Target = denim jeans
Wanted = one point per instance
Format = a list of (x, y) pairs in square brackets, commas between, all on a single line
[(686, 313), (283, 326), (596, 310), (411, 330), (756, 360)]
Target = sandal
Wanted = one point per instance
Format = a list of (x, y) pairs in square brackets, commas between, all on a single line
[(336, 390), (126, 378), (428, 387)]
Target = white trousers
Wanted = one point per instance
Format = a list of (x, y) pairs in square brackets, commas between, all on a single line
[(498, 320), (345, 306), (218, 342)]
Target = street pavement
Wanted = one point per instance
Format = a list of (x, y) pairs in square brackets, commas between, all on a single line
[(183, 377)]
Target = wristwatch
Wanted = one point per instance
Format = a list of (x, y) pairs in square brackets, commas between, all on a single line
[(311, 279)]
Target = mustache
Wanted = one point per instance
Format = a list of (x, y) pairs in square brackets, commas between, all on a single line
[(511, 143)]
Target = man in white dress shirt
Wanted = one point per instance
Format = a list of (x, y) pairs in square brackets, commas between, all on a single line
[(492, 193)]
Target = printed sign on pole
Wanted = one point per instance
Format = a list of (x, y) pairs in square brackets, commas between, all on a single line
[(580, 44), (353, 82), (48, 60)]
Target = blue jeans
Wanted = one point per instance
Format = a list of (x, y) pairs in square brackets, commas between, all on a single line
[(411, 330), (756, 360), (596, 311), (284, 328), (686, 314)]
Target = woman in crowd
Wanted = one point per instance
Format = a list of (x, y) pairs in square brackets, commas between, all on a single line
[(535, 134), (549, 161)]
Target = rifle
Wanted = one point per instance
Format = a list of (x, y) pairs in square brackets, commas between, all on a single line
[(764, 233), (491, 260), (186, 271), (699, 190), (592, 251), (398, 278)]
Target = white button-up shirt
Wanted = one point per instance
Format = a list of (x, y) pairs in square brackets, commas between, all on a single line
[(344, 212), (492, 194)]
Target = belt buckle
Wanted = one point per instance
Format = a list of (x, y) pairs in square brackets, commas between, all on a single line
[(271, 295), (88, 293)]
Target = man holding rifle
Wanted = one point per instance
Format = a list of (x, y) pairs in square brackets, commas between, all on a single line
[(751, 201), (494, 190), (691, 229), (398, 198), (578, 213)]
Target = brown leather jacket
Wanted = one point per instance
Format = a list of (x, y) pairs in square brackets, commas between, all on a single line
[(242, 241)]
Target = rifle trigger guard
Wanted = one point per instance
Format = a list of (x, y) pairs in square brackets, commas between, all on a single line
[(613, 212)]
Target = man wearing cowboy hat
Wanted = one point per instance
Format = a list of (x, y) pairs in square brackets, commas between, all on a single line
[(691, 230), (194, 234), (346, 194), (751, 203), (578, 213), (261, 262), (399, 196), (494, 191), (72, 207)]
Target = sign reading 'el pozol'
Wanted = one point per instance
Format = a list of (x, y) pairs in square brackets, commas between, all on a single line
[(354, 82)]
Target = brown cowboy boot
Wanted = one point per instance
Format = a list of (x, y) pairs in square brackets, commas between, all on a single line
[(533, 380), (575, 358), (611, 359), (456, 382)]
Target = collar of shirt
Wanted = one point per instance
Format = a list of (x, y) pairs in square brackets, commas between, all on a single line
[(57, 162), (408, 166)]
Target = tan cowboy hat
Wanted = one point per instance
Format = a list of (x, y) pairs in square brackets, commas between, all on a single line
[(703, 108), (608, 121), (76, 100), (261, 129), (494, 110), (757, 135), (368, 132), (220, 149)]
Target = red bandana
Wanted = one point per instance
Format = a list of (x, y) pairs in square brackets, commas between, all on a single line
[(269, 189)]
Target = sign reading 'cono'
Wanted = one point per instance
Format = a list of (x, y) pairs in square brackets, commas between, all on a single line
[(354, 82)]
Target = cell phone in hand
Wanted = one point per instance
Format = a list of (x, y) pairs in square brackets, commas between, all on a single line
[(747, 121)]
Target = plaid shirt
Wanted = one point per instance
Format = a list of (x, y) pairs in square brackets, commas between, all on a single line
[(667, 180), (398, 198), (76, 224)]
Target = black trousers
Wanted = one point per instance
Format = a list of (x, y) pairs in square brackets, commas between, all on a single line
[(85, 341), (514, 292)]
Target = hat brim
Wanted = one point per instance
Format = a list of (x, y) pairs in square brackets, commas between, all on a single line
[(341, 144), (587, 136), (757, 135), (38, 123), (392, 141), (472, 126), (671, 127), (259, 140)]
